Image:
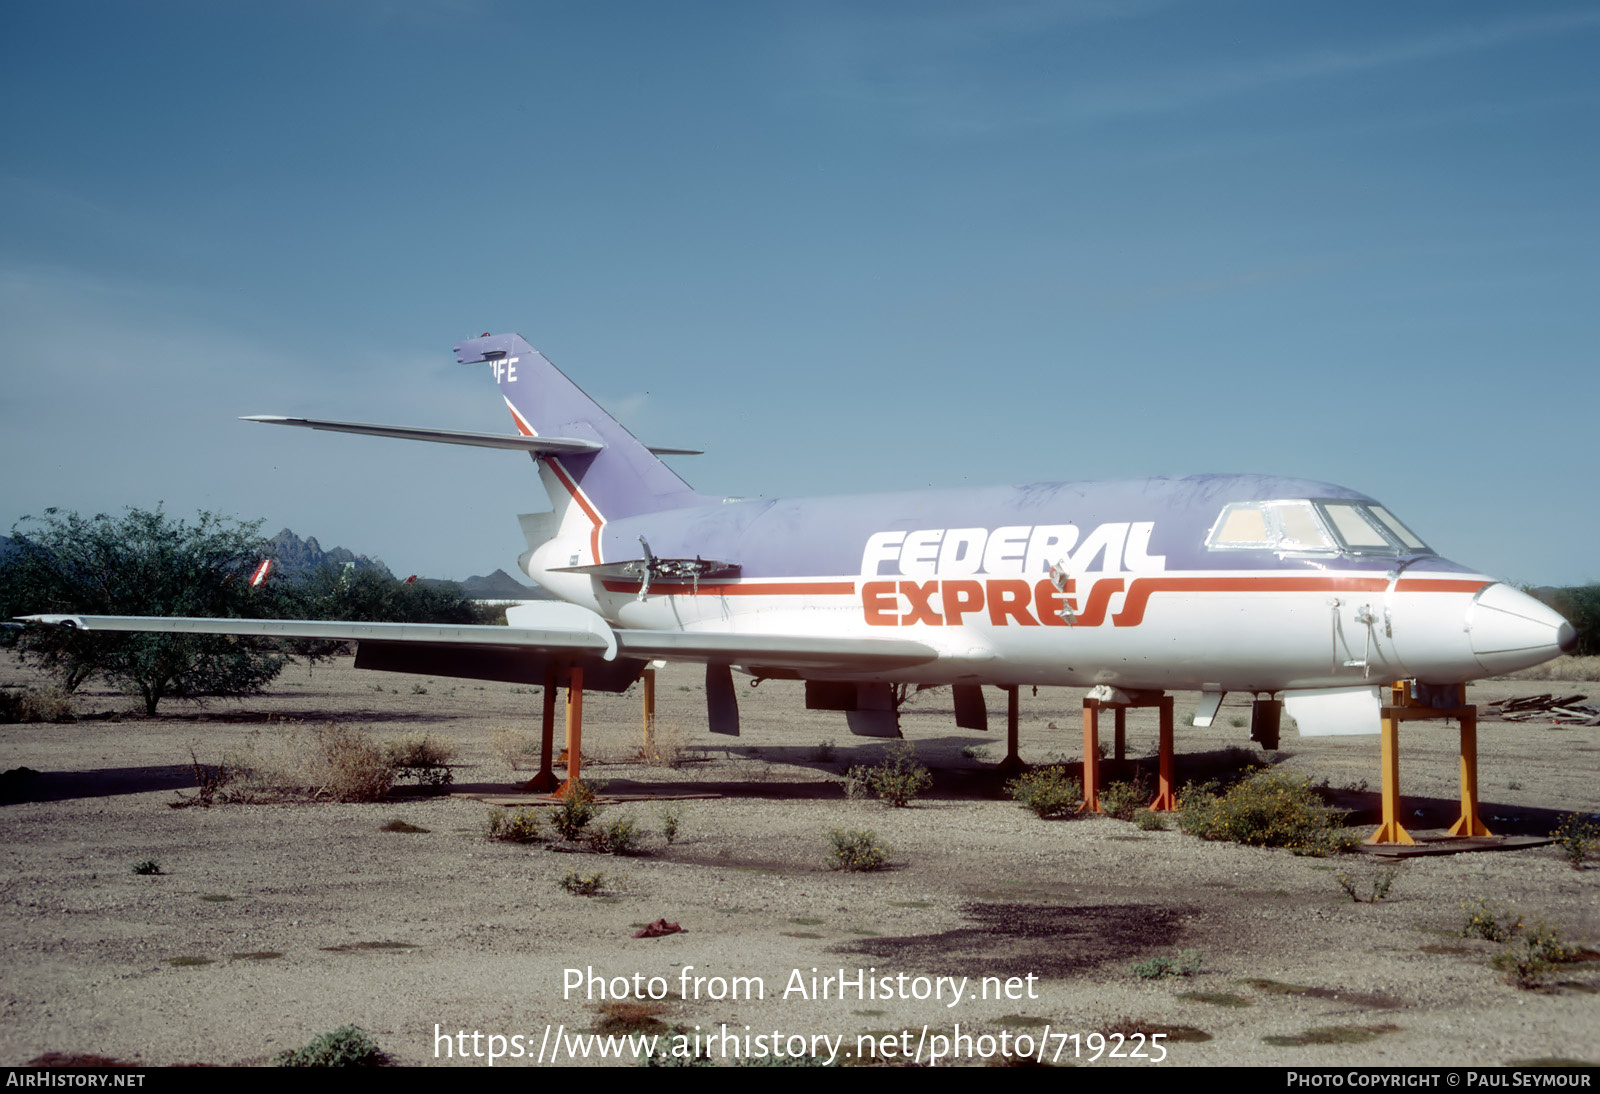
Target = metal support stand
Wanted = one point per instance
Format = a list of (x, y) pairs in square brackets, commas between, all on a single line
[(1403, 707), (574, 731), (1165, 799), (546, 778), (649, 747), (1468, 823), (1012, 764)]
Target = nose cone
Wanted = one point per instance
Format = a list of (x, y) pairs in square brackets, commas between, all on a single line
[(1511, 630)]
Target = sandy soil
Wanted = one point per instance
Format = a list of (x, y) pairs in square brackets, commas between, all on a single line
[(270, 924)]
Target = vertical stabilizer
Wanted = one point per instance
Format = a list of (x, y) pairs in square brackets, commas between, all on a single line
[(622, 479)]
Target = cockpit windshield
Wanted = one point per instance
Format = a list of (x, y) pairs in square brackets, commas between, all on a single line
[(1313, 526)]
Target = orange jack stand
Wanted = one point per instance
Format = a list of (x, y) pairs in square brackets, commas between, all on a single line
[(574, 730), (546, 779), (1405, 708), (1165, 799)]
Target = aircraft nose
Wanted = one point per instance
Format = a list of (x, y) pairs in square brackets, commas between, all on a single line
[(1511, 630)]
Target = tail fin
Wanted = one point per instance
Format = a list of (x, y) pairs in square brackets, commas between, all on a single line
[(621, 479)]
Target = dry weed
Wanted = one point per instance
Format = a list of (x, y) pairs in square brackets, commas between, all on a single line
[(326, 763), (665, 744), (47, 704), (514, 748)]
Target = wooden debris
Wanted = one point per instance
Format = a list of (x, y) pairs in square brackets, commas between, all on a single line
[(1570, 710)]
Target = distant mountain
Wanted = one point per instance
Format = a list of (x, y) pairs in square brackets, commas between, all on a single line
[(297, 556), (501, 586)]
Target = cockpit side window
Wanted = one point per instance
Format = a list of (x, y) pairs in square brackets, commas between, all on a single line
[(1270, 526)]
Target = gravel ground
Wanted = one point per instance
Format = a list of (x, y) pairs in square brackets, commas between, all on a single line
[(272, 923)]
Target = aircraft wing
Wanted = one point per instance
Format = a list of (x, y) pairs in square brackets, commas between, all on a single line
[(548, 628)]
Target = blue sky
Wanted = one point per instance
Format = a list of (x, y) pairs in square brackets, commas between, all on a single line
[(841, 246)]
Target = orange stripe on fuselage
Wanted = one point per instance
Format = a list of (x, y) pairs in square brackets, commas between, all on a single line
[(583, 503), (706, 588)]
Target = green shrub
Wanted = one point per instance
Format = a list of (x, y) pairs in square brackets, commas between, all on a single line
[(619, 836), (856, 849), (576, 810), (1182, 963), (671, 820), (896, 781), (1489, 922), (1048, 791), (347, 1046), (1578, 837), (1149, 820), (1533, 957), (583, 884), (1122, 799), (1380, 880), (423, 758), (1271, 808), (519, 827)]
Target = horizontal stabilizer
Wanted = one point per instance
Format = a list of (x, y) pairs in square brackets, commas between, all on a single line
[(551, 446)]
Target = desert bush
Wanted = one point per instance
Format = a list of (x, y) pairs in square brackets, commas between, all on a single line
[(1149, 820), (1048, 791), (856, 849), (419, 750), (346, 765), (50, 704), (1578, 837), (328, 763), (1182, 963), (576, 810), (1377, 884), (618, 836), (347, 1046), (896, 781), (519, 827), (423, 758), (1489, 922), (671, 821), (147, 866), (1122, 799), (514, 748), (665, 744), (582, 884), (1532, 958), (1271, 808)]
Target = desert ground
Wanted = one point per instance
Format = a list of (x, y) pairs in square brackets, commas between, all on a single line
[(272, 923)]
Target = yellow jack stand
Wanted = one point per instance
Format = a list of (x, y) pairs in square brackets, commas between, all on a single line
[(1165, 799), (1403, 707), (647, 750)]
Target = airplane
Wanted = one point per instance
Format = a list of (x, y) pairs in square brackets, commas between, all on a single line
[(1274, 586)]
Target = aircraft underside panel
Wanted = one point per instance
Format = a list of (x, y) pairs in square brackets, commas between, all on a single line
[(511, 666)]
